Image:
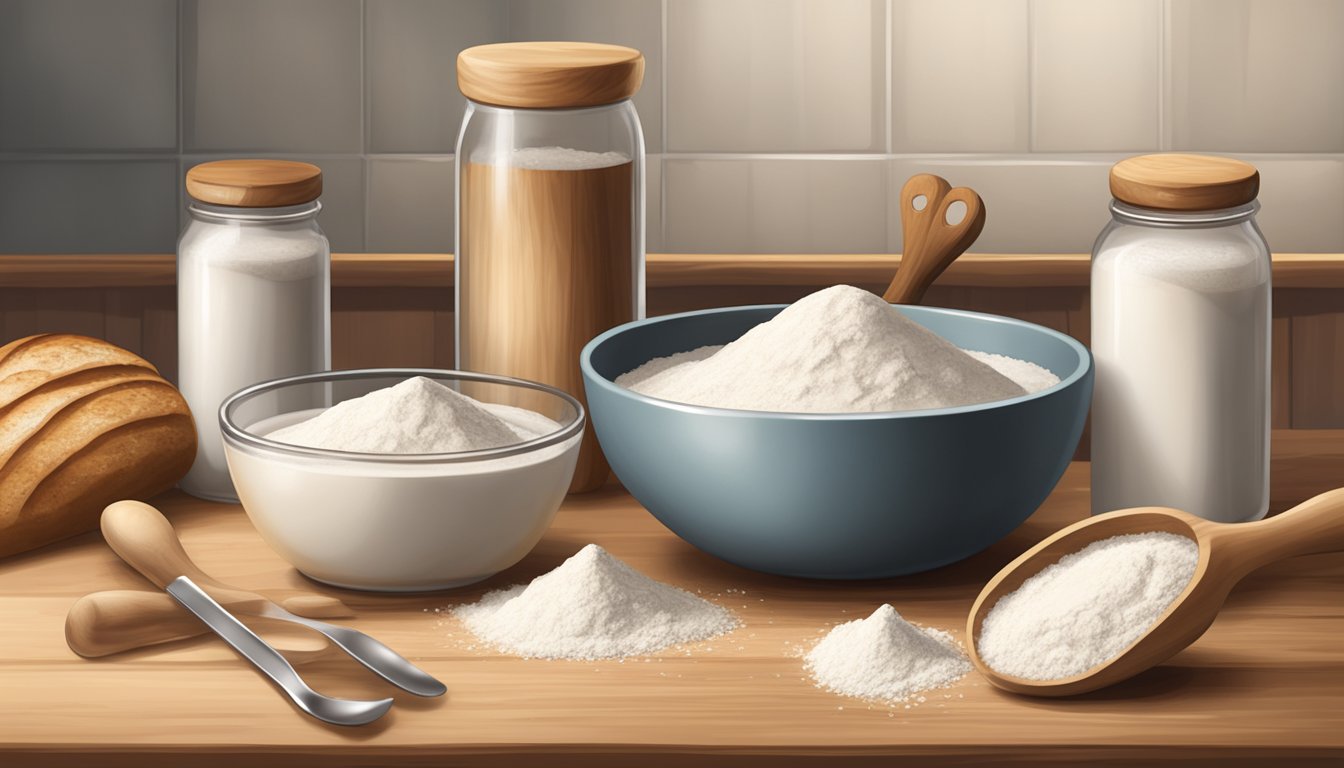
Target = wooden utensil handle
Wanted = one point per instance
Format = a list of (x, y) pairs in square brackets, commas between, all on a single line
[(104, 623), (1312, 527), (930, 243)]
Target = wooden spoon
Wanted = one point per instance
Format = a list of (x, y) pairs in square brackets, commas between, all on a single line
[(930, 243), (1227, 552)]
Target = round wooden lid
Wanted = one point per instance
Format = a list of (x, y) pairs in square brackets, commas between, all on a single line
[(255, 183), (549, 75), (1177, 182)]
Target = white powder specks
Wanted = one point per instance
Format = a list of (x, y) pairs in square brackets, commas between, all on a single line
[(593, 606), (885, 658), (560, 159), (839, 350), (1026, 375), (1088, 607), (418, 415)]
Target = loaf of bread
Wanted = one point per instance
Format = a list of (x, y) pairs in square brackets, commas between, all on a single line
[(83, 423)]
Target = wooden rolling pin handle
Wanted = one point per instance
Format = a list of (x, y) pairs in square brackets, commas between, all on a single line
[(104, 623)]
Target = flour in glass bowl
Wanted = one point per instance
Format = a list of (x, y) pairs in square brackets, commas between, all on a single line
[(839, 350)]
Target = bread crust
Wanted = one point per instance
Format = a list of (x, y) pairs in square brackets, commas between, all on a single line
[(83, 423)]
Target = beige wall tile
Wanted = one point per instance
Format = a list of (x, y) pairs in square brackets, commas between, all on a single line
[(959, 76), (1095, 83), (775, 205), (411, 204), (1031, 205), (1257, 75), (1302, 203), (775, 76)]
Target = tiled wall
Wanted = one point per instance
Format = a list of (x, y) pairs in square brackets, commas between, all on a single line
[(772, 125)]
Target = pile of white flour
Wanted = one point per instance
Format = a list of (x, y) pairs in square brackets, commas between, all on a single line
[(1088, 607), (885, 658), (839, 350), (593, 606), (418, 415)]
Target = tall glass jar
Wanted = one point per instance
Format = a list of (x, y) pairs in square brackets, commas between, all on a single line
[(550, 225), (1181, 338), (253, 294)]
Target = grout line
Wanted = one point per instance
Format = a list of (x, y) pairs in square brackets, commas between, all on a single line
[(365, 169), (662, 140), (1164, 141), (889, 145), (1031, 75)]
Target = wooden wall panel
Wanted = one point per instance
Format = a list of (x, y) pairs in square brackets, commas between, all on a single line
[(381, 326), (1317, 358)]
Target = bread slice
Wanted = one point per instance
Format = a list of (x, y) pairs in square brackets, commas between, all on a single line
[(83, 423)]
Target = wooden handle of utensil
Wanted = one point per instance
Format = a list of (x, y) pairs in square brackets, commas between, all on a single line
[(1312, 527), (104, 623), (143, 537), (930, 243)]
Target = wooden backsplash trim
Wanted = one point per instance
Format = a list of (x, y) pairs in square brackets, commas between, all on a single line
[(421, 270)]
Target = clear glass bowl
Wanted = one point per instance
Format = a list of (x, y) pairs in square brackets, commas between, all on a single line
[(398, 522)]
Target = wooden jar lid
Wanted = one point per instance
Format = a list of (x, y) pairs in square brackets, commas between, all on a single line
[(549, 75), (255, 183), (1177, 182)]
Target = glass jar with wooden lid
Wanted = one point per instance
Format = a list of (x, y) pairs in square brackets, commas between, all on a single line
[(253, 294), (550, 225), (1181, 338)]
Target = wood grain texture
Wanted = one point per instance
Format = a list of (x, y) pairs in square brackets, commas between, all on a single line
[(1182, 182), (1264, 686), (421, 270), (542, 75), (254, 183)]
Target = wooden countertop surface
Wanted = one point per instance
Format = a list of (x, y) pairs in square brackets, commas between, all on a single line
[(1265, 685)]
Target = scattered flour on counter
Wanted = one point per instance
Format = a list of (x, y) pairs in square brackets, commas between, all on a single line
[(419, 415), (839, 350), (593, 606), (1088, 607), (885, 658)]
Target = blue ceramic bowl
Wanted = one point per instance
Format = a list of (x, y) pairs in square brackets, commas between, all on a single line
[(838, 496)]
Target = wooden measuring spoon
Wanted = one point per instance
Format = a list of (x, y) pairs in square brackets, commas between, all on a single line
[(104, 623), (1227, 552), (929, 242)]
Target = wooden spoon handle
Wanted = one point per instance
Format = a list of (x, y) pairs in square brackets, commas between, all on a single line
[(143, 537), (930, 243), (104, 623), (1314, 526)]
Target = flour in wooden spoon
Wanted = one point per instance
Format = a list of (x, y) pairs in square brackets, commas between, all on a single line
[(1087, 608), (593, 606), (885, 658), (839, 350)]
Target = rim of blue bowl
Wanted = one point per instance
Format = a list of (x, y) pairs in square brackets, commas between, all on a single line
[(242, 436), (585, 364)]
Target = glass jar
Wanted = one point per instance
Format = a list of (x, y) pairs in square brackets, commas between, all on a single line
[(1181, 339), (550, 225), (253, 294)]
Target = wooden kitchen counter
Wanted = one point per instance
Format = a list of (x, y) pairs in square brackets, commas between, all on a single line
[(1265, 685)]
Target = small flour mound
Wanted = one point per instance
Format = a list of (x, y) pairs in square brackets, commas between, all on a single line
[(1088, 607), (593, 606), (885, 658), (419, 415), (839, 350), (564, 159)]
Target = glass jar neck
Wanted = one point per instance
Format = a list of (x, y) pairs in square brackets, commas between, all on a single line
[(491, 108), (1124, 213), (288, 213)]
